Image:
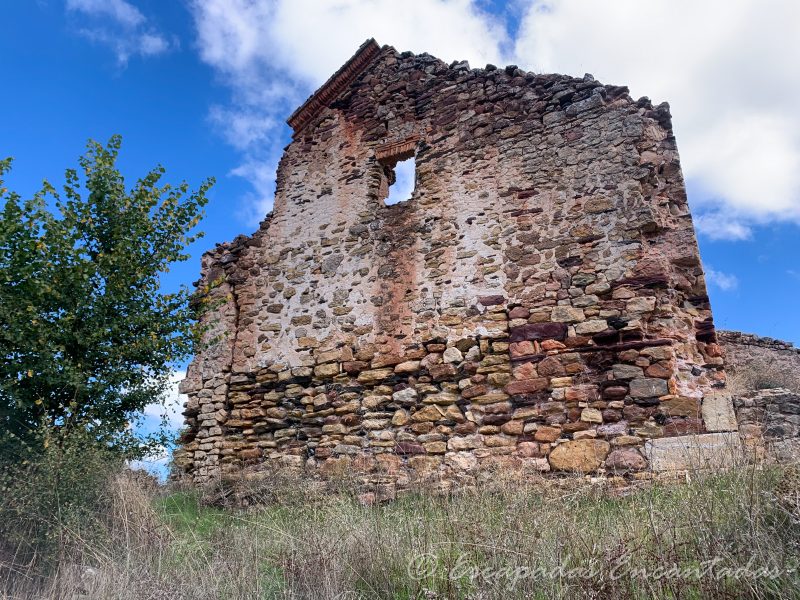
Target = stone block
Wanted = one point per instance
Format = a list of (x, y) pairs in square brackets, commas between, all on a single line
[(690, 452), (580, 456), (718, 413), (648, 387)]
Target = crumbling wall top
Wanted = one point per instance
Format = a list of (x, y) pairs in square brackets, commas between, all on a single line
[(334, 86)]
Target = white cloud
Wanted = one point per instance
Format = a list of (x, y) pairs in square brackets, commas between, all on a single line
[(724, 281), (717, 225), (260, 172), (120, 26), (243, 128), (118, 10), (728, 70), (726, 67), (171, 407), (273, 54), (405, 174), (156, 464)]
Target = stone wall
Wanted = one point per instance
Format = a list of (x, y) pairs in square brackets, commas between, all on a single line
[(538, 303), (770, 418), (755, 362)]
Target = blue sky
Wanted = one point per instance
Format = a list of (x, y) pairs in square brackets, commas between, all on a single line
[(204, 86)]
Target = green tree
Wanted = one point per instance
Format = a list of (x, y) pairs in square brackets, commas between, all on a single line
[(87, 337)]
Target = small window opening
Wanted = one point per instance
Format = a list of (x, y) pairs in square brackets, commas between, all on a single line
[(402, 179)]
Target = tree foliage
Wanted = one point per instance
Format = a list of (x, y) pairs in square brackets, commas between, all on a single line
[(87, 338)]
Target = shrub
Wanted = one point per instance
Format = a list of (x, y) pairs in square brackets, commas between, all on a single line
[(52, 486)]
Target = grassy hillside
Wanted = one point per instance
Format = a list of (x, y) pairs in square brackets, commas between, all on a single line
[(733, 535)]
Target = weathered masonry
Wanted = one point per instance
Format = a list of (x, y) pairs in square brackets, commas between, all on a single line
[(537, 304)]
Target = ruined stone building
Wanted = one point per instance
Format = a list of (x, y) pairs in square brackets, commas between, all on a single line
[(537, 304)]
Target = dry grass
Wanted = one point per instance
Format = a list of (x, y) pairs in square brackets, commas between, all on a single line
[(760, 375), (516, 542)]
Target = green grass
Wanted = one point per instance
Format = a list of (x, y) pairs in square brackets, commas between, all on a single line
[(185, 514), (533, 540)]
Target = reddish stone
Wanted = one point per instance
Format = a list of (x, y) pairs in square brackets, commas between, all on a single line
[(474, 390), (465, 428), (442, 372), (539, 331), (625, 460), (491, 300), (578, 341), (350, 420), (524, 348), (615, 392), (496, 419), (552, 345), (526, 370), (575, 426), (408, 448), (519, 312), (681, 426), (250, 453), (551, 367), (527, 386), (611, 415), (354, 366), (659, 371), (386, 360), (581, 393), (529, 450), (323, 453), (547, 434), (635, 414)]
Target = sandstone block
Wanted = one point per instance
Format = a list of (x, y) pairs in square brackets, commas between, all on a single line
[(461, 461), (428, 413), (326, 370), (547, 434), (581, 456), (641, 305), (441, 398), (435, 447), (591, 415), (467, 442), (495, 441), (409, 366)]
